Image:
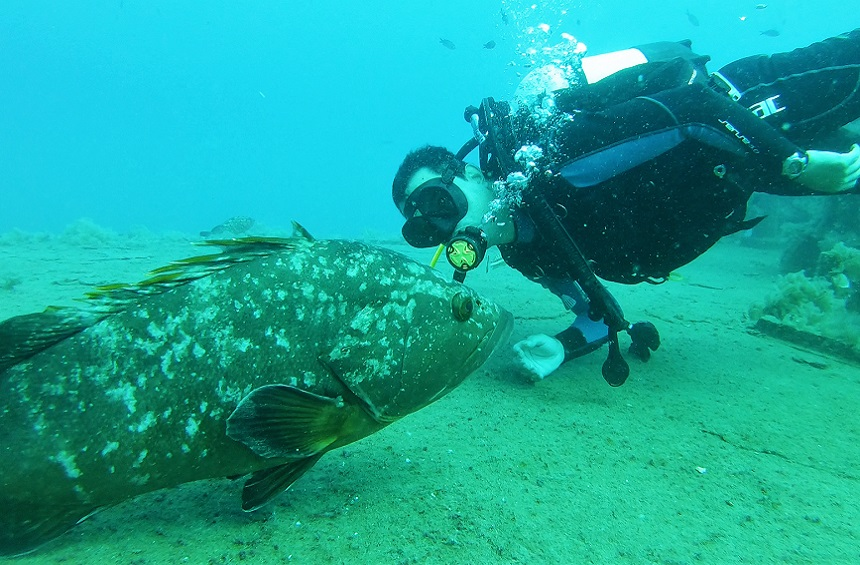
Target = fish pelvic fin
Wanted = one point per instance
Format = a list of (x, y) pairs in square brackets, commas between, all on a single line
[(285, 422), (25, 525), (266, 484)]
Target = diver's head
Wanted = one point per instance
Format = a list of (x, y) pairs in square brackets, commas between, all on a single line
[(439, 195), (432, 157)]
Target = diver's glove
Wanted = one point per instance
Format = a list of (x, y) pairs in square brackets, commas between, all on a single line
[(540, 355), (830, 173), (645, 340)]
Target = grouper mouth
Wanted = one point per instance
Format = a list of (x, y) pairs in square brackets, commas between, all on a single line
[(499, 334)]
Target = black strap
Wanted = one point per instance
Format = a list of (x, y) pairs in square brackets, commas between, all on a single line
[(603, 304), (494, 156), (467, 148)]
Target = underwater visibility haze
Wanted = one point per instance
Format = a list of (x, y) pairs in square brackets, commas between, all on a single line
[(131, 131)]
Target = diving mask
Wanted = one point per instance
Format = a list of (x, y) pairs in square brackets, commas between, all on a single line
[(433, 211)]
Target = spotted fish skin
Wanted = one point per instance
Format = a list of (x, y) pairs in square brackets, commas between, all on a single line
[(139, 401)]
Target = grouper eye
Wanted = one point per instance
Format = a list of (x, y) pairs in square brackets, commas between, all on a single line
[(462, 305)]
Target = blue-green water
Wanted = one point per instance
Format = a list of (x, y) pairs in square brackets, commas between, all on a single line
[(177, 115)]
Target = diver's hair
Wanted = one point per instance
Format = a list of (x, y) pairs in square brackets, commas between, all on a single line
[(433, 157)]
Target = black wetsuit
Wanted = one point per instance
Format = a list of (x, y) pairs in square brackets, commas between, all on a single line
[(651, 166), (647, 184)]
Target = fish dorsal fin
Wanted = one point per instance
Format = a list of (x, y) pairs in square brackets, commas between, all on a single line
[(113, 298), (300, 231), (22, 337)]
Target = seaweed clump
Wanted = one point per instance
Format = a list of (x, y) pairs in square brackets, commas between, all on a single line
[(818, 307)]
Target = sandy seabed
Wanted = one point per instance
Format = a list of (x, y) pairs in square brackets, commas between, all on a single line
[(727, 447)]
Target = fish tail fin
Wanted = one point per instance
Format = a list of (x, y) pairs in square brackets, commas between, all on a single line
[(285, 422), (25, 525), (266, 484)]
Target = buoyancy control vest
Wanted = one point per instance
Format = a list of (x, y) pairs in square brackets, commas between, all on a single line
[(620, 172)]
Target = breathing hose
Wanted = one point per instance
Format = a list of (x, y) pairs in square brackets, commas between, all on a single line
[(602, 303)]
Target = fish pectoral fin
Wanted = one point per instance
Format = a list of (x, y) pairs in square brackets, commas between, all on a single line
[(25, 525), (282, 421), (266, 484)]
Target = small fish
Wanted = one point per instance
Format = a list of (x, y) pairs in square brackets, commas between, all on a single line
[(760, 6), (447, 43), (771, 33), (693, 19), (841, 281), (237, 225), (504, 16), (490, 44), (254, 361)]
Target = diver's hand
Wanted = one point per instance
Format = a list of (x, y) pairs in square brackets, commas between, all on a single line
[(540, 355), (829, 172)]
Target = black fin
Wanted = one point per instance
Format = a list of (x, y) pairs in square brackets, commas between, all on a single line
[(744, 225), (284, 421), (25, 525), (22, 337), (264, 485)]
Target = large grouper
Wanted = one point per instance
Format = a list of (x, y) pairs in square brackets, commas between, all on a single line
[(257, 359)]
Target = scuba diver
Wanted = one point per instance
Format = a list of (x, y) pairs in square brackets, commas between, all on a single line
[(626, 166)]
